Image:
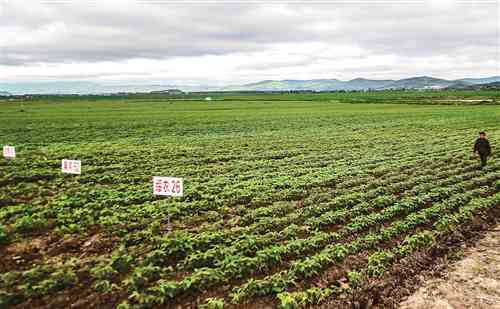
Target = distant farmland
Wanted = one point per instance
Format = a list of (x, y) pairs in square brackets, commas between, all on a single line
[(290, 200)]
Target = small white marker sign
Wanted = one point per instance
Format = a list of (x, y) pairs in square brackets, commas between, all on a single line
[(9, 151), (168, 186), (71, 167)]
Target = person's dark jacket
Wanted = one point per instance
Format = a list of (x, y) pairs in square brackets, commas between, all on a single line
[(482, 146)]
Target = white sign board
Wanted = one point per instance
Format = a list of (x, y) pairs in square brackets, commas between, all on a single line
[(168, 186), (71, 167), (9, 151)]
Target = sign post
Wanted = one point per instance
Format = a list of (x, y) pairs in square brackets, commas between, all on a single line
[(168, 186), (9, 152), (71, 167)]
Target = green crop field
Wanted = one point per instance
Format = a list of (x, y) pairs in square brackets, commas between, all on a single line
[(289, 200)]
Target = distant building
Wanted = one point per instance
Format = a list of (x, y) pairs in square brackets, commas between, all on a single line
[(169, 92), (433, 87)]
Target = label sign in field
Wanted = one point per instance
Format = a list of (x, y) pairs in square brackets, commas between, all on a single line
[(71, 166), (168, 186), (9, 151)]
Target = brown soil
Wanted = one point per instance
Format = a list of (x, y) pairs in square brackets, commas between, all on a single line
[(473, 282), (479, 240), (23, 254)]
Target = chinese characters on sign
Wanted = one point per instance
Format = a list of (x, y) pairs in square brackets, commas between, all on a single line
[(71, 167), (168, 186), (9, 152)]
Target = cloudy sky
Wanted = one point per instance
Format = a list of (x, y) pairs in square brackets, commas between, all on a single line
[(227, 42)]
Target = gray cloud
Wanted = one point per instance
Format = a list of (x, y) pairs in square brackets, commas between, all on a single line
[(89, 32)]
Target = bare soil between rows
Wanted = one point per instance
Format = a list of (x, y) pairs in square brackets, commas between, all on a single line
[(472, 282), (413, 282), (461, 271)]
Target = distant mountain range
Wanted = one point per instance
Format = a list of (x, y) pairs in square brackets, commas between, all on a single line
[(421, 82), (313, 84), (84, 87), (486, 86)]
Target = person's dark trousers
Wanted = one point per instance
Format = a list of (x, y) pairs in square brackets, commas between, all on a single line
[(484, 158)]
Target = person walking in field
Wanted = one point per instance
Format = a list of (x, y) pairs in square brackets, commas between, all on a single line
[(483, 148)]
